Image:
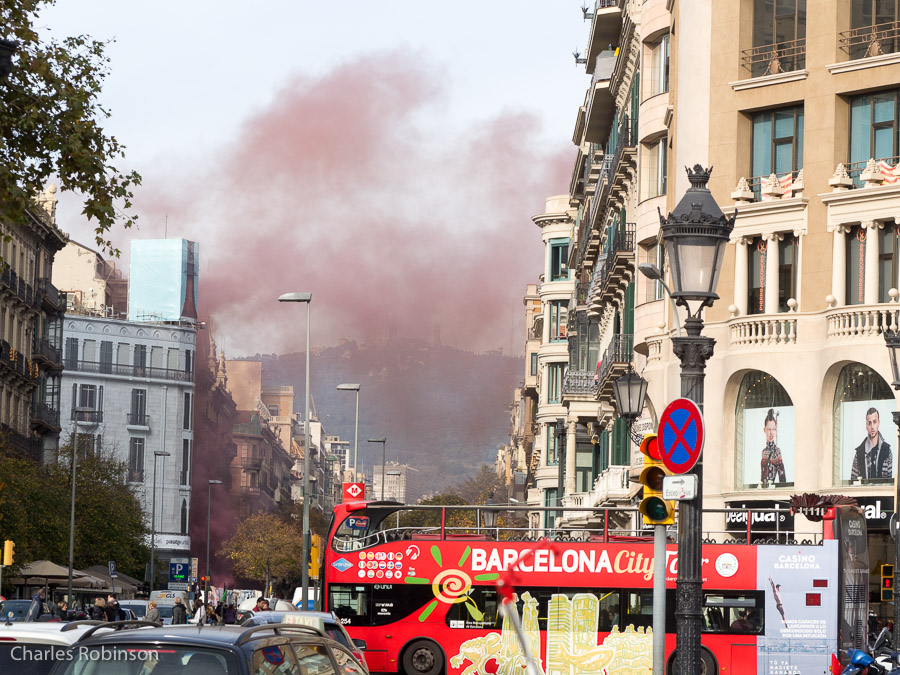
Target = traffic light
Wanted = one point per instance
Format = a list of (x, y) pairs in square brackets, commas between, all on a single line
[(655, 509), (314, 553), (887, 583), (9, 549)]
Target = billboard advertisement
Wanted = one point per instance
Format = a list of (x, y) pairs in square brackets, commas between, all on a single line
[(867, 428), (800, 586), (768, 445), (163, 283)]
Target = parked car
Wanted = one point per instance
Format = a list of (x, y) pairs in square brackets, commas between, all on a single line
[(25, 610), (327, 622), (31, 648), (289, 649), (138, 607)]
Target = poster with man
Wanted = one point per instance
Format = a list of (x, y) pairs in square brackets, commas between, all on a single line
[(768, 441), (868, 435)]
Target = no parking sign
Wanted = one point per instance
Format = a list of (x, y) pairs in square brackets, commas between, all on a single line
[(680, 435)]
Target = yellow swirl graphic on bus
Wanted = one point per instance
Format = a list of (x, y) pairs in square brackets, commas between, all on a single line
[(451, 586)]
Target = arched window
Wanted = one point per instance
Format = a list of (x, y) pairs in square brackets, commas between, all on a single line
[(864, 431), (184, 516), (764, 433)]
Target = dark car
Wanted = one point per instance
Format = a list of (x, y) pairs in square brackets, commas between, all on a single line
[(289, 649), (25, 610)]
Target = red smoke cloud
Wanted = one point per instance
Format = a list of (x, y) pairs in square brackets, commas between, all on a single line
[(359, 187)]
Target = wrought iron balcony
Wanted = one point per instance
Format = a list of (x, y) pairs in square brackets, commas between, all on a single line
[(616, 359), (137, 420), (251, 462), (87, 416), (46, 352), (579, 383), (874, 40), (50, 296), (779, 57), (617, 270), (249, 491), (45, 417), (129, 371)]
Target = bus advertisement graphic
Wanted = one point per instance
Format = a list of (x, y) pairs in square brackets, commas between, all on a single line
[(799, 582)]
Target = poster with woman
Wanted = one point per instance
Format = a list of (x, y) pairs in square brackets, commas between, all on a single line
[(768, 446), (868, 436)]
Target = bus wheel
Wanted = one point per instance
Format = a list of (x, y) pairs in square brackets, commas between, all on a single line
[(423, 657), (708, 664)]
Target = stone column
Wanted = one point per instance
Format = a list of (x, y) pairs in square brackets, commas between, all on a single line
[(871, 287), (740, 275), (570, 458), (771, 296), (839, 266)]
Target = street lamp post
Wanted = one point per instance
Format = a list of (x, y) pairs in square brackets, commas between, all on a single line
[(156, 455), (78, 411), (304, 561), (694, 234), (353, 387), (383, 442), (209, 485), (892, 340)]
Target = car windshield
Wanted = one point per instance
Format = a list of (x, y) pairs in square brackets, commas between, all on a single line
[(139, 610), (14, 610), (142, 659), (165, 611)]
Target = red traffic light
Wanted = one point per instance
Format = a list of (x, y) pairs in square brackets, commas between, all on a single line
[(649, 447)]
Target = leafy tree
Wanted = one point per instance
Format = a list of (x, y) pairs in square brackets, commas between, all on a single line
[(50, 123), (35, 505), (264, 547)]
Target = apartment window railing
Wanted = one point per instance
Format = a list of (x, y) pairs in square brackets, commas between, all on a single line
[(50, 291), (779, 57), (865, 41), (785, 181), (87, 416), (46, 414), (138, 420), (886, 164), (619, 351), (579, 382), (129, 371)]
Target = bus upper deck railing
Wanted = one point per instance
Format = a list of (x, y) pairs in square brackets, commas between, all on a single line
[(616, 525)]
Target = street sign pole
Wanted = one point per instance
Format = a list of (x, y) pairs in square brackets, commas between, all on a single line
[(659, 598)]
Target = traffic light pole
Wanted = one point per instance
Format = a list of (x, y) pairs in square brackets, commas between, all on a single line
[(694, 351)]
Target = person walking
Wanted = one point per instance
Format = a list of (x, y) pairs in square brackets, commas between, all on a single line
[(179, 613), (113, 611), (152, 612), (62, 610), (230, 614), (199, 613)]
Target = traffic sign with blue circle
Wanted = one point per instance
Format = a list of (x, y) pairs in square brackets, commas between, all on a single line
[(680, 435)]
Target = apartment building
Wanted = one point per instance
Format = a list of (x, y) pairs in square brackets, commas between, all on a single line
[(128, 389), (31, 312), (90, 282), (797, 108)]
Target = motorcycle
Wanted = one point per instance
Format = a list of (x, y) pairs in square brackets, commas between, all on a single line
[(863, 663)]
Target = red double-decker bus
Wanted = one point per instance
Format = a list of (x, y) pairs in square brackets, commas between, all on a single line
[(421, 591)]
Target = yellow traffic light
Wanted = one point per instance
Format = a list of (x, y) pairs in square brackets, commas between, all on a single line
[(314, 553), (887, 583), (9, 549), (655, 509)]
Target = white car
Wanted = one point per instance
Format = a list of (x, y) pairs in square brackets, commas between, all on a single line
[(34, 647)]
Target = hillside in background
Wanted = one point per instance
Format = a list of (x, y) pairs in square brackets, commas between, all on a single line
[(442, 410)]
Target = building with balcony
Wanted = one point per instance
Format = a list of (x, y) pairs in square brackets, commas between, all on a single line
[(128, 389), (31, 313), (799, 113)]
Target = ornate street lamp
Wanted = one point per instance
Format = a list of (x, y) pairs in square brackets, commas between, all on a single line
[(694, 234), (892, 340), (630, 390)]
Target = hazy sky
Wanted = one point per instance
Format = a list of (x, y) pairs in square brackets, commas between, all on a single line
[(386, 156)]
